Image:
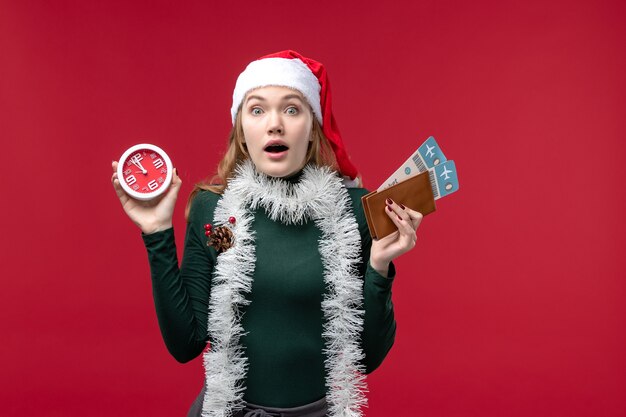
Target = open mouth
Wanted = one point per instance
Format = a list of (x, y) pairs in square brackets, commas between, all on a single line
[(276, 148)]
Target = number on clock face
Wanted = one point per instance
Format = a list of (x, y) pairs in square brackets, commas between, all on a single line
[(145, 174)]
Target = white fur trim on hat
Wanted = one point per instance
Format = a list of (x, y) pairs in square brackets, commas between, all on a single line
[(292, 73)]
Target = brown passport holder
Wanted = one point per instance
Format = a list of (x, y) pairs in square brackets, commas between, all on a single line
[(414, 193)]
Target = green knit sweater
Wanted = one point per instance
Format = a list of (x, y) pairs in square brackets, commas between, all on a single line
[(283, 322)]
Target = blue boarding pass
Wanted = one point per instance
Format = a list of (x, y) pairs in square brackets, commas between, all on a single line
[(443, 179), (428, 157)]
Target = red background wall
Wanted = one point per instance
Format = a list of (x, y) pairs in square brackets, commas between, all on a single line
[(511, 305)]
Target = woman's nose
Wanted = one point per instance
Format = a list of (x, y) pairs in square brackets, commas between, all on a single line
[(275, 124)]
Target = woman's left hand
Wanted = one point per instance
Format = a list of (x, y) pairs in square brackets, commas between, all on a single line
[(401, 241)]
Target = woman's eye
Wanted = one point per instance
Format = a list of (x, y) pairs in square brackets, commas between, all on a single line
[(256, 111), (292, 111)]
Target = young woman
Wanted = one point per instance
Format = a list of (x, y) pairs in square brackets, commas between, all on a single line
[(279, 274)]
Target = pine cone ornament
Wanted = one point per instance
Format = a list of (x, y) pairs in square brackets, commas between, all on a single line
[(221, 238)]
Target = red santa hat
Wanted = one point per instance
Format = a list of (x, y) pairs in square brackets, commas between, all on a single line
[(290, 69)]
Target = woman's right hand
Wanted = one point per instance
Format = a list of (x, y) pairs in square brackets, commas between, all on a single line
[(153, 215)]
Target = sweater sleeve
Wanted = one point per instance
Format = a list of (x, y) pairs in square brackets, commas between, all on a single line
[(379, 330), (181, 294)]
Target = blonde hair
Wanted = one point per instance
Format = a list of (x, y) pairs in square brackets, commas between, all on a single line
[(320, 153)]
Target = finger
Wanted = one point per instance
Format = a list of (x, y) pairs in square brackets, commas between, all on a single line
[(174, 188), (410, 211), (398, 209), (121, 194), (116, 183), (113, 178), (401, 240), (405, 223), (400, 219), (176, 181), (416, 218)]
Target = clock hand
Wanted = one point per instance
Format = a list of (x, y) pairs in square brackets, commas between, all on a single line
[(138, 165), (145, 171)]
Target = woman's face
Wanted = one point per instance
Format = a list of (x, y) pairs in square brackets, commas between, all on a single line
[(277, 129)]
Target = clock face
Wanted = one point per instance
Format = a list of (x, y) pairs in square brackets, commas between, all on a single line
[(144, 171)]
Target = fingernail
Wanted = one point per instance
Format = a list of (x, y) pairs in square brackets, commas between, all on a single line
[(389, 209), (389, 202), (402, 206), (399, 218)]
